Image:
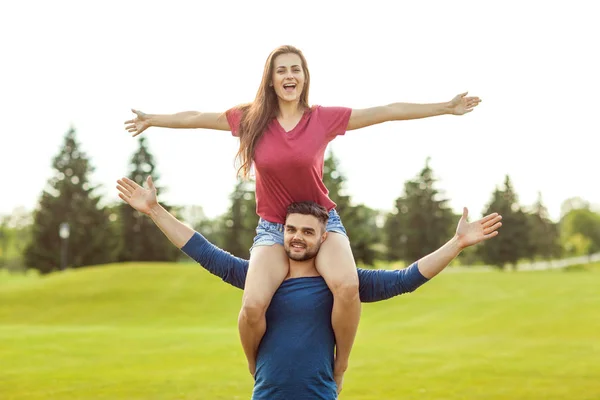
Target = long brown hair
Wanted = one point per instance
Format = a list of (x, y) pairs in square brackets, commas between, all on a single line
[(257, 115)]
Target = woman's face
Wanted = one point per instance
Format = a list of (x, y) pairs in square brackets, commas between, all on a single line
[(288, 77)]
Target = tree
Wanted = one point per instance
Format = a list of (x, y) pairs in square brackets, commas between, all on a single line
[(334, 181), (364, 234), (360, 221), (193, 215), (14, 236), (69, 198), (544, 239), (580, 231), (573, 203), (421, 221), (513, 241), (5, 240), (240, 221), (141, 239)]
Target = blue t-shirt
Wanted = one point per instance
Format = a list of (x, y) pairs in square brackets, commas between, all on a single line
[(295, 357)]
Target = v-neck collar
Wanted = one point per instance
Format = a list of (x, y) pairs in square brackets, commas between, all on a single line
[(298, 126)]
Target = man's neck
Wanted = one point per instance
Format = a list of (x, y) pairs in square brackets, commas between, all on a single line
[(302, 269)]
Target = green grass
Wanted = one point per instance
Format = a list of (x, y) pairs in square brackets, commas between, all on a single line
[(169, 332)]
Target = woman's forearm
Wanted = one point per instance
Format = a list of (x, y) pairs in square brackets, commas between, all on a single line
[(189, 120), (405, 111)]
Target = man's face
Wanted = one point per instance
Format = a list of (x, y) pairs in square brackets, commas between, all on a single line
[(303, 236)]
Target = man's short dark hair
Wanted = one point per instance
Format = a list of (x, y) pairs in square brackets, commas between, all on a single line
[(309, 208)]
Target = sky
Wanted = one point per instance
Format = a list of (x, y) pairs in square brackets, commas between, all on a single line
[(81, 64)]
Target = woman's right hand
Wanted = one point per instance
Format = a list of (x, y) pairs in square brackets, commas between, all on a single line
[(139, 124)]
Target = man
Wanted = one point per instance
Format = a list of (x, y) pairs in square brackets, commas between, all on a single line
[(296, 355)]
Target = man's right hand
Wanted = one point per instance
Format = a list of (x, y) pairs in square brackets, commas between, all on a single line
[(136, 196)]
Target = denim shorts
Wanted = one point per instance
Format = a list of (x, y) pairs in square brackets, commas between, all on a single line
[(270, 233)]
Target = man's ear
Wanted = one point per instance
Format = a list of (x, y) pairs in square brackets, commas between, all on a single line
[(323, 237)]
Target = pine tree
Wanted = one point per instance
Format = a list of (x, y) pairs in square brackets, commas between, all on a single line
[(69, 198), (544, 239), (512, 243), (241, 220), (364, 234), (360, 221), (334, 180), (421, 222), (141, 239)]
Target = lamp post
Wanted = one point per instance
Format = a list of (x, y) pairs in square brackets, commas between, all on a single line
[(64, 232)]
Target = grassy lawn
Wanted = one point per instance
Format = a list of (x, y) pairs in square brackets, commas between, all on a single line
[(169, 331)]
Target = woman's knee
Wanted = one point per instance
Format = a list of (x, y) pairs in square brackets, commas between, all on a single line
[(337, 266), (268, 268), (253, 309), (345, 288)]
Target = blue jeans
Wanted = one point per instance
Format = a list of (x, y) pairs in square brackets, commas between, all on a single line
[(270, 233)]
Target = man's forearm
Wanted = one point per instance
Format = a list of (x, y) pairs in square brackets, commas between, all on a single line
[(177, 232), (432, 264), (405, 111), (380, 284), (218, 262)]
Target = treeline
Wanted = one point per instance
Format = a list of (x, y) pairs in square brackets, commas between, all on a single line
[(420, 222)]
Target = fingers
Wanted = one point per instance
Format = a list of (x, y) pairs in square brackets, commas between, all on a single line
[(132, 128), (485, 220), (492, 228), (150, 183), (124, 198), (472, 102), (124, 191), (492, 222), (128, 184), (465, 213), (131, 184), (491, 235)]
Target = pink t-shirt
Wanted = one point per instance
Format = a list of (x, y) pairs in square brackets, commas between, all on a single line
[(289, 165)]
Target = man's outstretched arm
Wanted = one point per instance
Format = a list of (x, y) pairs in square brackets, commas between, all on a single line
[(377, 285), (218, 262), (380, 284)]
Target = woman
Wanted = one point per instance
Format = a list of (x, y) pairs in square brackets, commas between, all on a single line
[(285, 139)]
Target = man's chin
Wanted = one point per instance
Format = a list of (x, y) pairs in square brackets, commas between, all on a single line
[(297, 257), (304, 256)]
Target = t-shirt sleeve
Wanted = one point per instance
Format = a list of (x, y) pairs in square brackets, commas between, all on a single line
[(334, 120), (234, 116), (378, 284), (218, 262)]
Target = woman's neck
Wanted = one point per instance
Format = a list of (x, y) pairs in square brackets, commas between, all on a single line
[(289, 109)]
